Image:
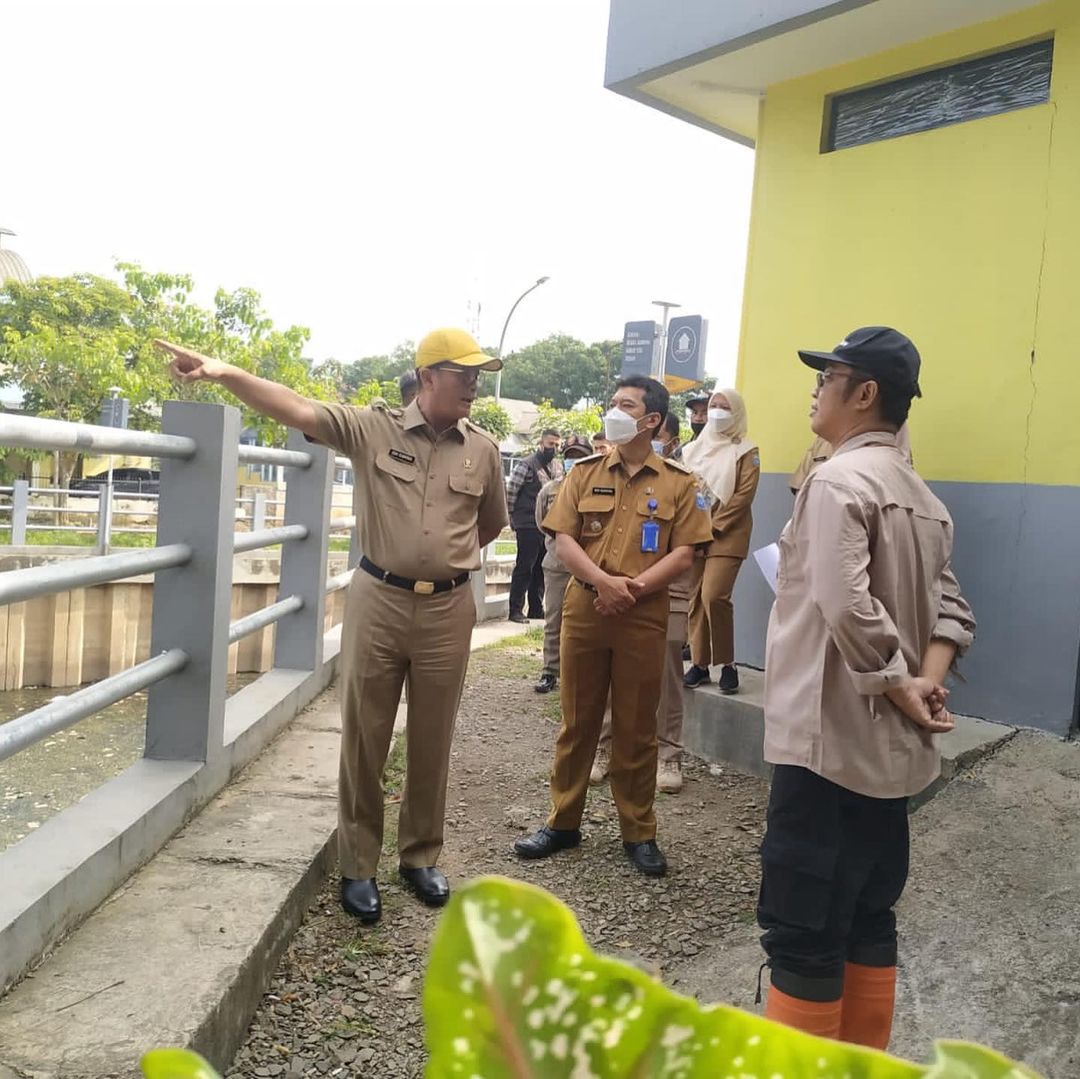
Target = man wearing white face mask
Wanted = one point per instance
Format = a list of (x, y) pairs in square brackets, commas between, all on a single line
[(728, 467), (626, 526)]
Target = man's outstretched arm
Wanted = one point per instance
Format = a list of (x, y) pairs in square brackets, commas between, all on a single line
[(260, 394)]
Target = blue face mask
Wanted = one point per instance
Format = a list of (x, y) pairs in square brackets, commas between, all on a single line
[(568, 463), (658, 448)]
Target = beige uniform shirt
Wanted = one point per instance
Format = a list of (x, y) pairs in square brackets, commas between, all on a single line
[(864, 584), (419, 497), (604, 508), (820, 451), (544, 501)]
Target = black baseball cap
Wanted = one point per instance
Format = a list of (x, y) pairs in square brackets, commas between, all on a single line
[(881, 352), (697, 398)]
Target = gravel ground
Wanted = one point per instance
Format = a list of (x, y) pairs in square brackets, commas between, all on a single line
[(346, 1000)]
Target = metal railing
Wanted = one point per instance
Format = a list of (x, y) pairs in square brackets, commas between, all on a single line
[(191, 634)]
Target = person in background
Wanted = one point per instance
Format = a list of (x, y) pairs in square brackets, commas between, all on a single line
[(868, 621), (556, 575), (408, 387), (728, 467), (820, 451), (666, 444), (697, 408), (529, 475), (627, 526)]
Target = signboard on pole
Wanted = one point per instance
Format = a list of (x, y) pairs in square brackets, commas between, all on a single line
[(639, 341), (114, 412), (684, 363)]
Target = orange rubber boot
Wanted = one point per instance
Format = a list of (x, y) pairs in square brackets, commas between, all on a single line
[(810, 1016), (869, 998)]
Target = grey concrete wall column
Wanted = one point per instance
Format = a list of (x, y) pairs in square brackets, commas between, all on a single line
[(308, 495), (20, 503), (186, 712)]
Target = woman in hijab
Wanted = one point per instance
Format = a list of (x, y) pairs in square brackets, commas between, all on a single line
[(727, 466)]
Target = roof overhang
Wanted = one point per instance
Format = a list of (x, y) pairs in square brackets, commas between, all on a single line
[(710, 63)]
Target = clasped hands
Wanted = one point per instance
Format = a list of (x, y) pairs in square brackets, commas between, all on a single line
[(616, 595), (923, 701)]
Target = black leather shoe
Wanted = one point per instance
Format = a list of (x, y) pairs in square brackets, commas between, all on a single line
[(729, 680), (429, 884), (695, 676), (547, 841), (517, 616), (647, 857), (536, 617), (361, 899), (547, 683)]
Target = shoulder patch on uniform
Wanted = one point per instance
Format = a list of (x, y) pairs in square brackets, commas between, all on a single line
[(477, 429), (757, 460), (677, 465), (702, 501)]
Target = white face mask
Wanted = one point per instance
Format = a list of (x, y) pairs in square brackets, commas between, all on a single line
[(619, 427), (720, 418)]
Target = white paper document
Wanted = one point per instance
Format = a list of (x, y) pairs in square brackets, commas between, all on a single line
[(768, 560)]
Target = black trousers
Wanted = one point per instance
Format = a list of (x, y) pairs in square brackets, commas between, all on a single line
[(528, 573), (834, 864)]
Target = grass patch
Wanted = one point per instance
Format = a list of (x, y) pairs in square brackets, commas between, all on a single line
[(394, 772), (51, 537), (506, 547), (364, 946), (531, 638), (351, 1028)]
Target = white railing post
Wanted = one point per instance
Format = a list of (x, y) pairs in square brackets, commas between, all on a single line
[(105, 517), (186, 713), (258, 512), (298, 644), (20, 504)]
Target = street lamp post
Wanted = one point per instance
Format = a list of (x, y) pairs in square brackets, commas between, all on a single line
[(667, 305), (502, 336)]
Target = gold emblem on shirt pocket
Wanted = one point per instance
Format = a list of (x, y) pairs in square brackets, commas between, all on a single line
[(596, 512)]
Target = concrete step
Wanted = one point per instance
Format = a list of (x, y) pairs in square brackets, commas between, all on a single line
[(731, 730)]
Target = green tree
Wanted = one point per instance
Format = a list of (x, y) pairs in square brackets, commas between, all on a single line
[(567, 421), (559, 368), (489, 414)]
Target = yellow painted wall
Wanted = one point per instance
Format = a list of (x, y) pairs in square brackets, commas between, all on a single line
[(967, 238)]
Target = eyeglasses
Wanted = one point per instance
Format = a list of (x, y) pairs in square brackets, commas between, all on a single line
[(462, 372), (823, 378)]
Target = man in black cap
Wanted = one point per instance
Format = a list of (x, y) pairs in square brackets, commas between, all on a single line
[(867, 622), (698, 407)]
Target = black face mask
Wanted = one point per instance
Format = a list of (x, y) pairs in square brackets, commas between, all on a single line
[(697, 428), (546, 456)]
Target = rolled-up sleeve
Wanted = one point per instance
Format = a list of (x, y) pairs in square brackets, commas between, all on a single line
[(955, 620), (838, 562)]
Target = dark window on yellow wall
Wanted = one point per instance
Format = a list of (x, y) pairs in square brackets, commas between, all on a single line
[(949, 95)]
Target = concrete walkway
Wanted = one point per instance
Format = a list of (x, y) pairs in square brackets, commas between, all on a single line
[(990, 921), (181, 953)]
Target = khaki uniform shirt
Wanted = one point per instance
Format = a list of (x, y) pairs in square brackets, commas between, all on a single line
[(419, 497), (604, 509), (864, 584), (544, 501), (733, 522)]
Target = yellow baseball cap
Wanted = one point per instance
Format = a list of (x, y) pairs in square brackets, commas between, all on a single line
[(451, 345)]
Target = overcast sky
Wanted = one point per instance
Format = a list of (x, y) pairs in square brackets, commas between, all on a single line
[(373, 168)]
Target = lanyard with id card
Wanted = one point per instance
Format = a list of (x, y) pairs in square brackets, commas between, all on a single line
[(650, 531)]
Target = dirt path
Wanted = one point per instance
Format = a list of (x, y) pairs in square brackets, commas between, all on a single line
[(346, 1001)]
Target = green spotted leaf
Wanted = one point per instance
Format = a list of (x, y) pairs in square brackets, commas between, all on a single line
[(513, 990), (175, 1064)]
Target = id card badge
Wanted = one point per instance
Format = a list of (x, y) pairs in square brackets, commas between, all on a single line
[(650, 537)]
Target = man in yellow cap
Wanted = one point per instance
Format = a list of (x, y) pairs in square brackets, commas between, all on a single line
[(429, 495)]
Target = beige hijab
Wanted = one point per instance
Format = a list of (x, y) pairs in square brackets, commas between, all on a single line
[(714, 457)]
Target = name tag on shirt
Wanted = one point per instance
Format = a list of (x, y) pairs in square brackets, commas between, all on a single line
[(401, 455), (603, 490)]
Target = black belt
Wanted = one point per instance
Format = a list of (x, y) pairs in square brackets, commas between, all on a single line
[(424, 588)]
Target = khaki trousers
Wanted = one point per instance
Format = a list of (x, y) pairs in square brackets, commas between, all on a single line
[(390, 636), (555, 582), (626, 653), (712, 614), (669, 713)]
